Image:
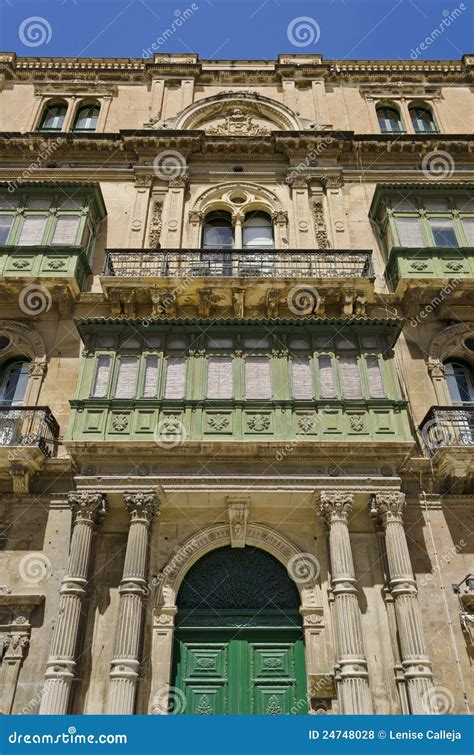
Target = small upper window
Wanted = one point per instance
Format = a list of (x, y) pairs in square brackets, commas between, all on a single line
[(389, 120), (53, 117), (460, 380), (86, 118), (218, 231), (258, 230), (422, 120)]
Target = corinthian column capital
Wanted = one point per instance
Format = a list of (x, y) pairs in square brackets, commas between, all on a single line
[(141, 505), (335, 505), (390, 506), (87, 505)]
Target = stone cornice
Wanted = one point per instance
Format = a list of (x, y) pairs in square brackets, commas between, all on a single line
[(188, 65)]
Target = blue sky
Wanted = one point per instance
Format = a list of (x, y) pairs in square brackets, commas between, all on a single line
[(238, 28)]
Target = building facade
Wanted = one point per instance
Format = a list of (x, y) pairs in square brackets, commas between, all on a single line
[(237, 391)]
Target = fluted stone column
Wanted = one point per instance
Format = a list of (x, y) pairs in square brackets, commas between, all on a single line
[(353, 684), (414, 655), (142, 506), (88, 507)]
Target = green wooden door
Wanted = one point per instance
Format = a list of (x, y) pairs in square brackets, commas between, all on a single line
[(260, 672)]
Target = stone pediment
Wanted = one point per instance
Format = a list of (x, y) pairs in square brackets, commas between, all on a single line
[(233, 114)]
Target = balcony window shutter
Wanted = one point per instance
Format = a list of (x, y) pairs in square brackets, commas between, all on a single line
[(410, 233), (301, 382), (175, 377), (258, 383), (32, 230), (326, 377), (150, 383), (127, 378), (350, 377), (66, 230), (374, 373), (101, 380), (220, 377)]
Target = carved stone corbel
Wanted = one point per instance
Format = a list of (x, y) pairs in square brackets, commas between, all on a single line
[(205, 302), (238, 302), (64, 301), (238, 511), (272, 302), (21, 475), (163, 303)]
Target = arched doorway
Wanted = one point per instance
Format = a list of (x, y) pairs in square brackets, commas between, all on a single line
[(238, 645)]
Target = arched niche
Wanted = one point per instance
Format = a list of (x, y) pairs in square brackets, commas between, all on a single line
[(184, 558), (23, 341)]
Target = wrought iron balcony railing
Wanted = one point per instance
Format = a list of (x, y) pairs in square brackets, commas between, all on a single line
[(446, 426), (29, 426), (239, 263)]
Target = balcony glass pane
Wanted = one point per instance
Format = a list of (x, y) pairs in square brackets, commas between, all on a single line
[(220, 383), (150, 384), (258, 383), (326, 377), (6, 222), (443, 232), (175, 377), (350, 377), (101, 379), (66, 230), (301, 378), (127, 378), (468, 225)]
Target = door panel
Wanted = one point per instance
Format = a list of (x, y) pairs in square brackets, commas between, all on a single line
[(241, 676)]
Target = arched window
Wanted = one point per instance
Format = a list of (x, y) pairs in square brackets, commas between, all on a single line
[(257, 230), (87, 117), (13, 382), (460, 380), (389, 120), (218, 231), (422, 120), (53, 116)]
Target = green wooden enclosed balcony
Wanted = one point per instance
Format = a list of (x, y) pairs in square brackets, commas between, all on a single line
[(430, 266), (46, 238), (177, 384)]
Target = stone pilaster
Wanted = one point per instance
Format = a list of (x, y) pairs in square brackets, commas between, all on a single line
[(414, 655), (142, 506), (87, 507), (353, 678)]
